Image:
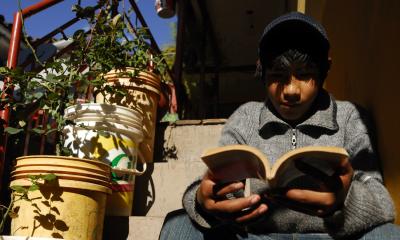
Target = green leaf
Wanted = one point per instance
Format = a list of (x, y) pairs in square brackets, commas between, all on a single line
[(52, 96), (170, 117), (33, 187), (11, 130), (116, 19), (49, 177), (18, 189), (33, 177), (51, 131), (38, 95), (38, 131)]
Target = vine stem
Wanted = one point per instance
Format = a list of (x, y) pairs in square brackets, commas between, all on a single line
[(26, 39), (4, 217)]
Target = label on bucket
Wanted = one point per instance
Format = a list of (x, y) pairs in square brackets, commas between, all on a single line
[(122, 182), (118, 187)]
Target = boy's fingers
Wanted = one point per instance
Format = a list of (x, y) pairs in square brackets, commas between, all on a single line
[(220, 190), (324, 199), (233, 205), (253, 214), (333, 182)]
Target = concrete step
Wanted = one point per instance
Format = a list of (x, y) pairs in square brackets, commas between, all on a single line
[(132, 228), (177, 164)]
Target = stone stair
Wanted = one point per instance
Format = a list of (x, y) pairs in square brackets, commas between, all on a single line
[(159, 191)]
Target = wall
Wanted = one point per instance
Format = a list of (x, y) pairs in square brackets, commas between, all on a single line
[(366, 57)]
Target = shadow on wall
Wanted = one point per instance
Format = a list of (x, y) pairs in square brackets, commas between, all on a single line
[(145, 195), (119, 231)]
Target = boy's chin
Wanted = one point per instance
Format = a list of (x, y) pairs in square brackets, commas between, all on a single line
[(291, 116)]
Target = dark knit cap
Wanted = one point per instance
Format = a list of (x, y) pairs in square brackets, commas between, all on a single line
[(294, 31)]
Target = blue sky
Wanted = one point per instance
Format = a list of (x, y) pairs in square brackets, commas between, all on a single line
[(51, 18)]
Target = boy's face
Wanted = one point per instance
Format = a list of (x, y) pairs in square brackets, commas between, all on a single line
[(292, 96)]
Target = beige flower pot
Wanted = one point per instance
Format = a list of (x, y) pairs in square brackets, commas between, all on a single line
[(143, 93), (71, 207)]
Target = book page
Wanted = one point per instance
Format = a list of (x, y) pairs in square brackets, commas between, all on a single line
[(303, 164), (236, 162)]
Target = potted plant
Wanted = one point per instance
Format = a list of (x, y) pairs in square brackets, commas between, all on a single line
[(122, 67), (30, 193), (123, 59)]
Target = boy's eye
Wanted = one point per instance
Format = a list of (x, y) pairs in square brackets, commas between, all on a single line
[(277, 77), (304, 76), (306, 73)]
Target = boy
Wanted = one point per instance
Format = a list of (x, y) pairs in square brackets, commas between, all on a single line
[(294, 62)]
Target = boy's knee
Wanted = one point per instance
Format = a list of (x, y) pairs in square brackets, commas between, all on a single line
[(176, 218), (387, 231), (177, 225)]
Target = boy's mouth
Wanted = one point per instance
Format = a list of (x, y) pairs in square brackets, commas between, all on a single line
[(290, 105)]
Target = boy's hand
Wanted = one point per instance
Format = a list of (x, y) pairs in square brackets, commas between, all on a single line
[(215, 202), (331, 197)]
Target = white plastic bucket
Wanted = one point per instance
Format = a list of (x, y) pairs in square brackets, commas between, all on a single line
[(109, 133)]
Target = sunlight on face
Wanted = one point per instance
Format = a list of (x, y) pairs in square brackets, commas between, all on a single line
[(292, 98)]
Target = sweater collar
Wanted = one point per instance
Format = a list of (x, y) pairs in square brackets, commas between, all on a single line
[(323, 116)]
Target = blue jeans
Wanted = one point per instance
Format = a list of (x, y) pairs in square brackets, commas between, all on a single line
[(180, 227)]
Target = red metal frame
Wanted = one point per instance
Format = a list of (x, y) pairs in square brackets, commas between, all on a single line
[(12, 62)]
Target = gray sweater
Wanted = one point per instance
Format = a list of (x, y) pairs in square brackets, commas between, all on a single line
[(332, 123)]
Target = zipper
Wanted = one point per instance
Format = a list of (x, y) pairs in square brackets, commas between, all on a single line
[(294, 139)]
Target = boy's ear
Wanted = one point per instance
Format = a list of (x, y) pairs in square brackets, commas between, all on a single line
[(327, 69)]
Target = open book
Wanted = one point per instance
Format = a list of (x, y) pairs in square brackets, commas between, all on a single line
[(297, 168)]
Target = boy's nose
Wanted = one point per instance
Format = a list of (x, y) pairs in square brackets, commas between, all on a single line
[(291, 91)]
